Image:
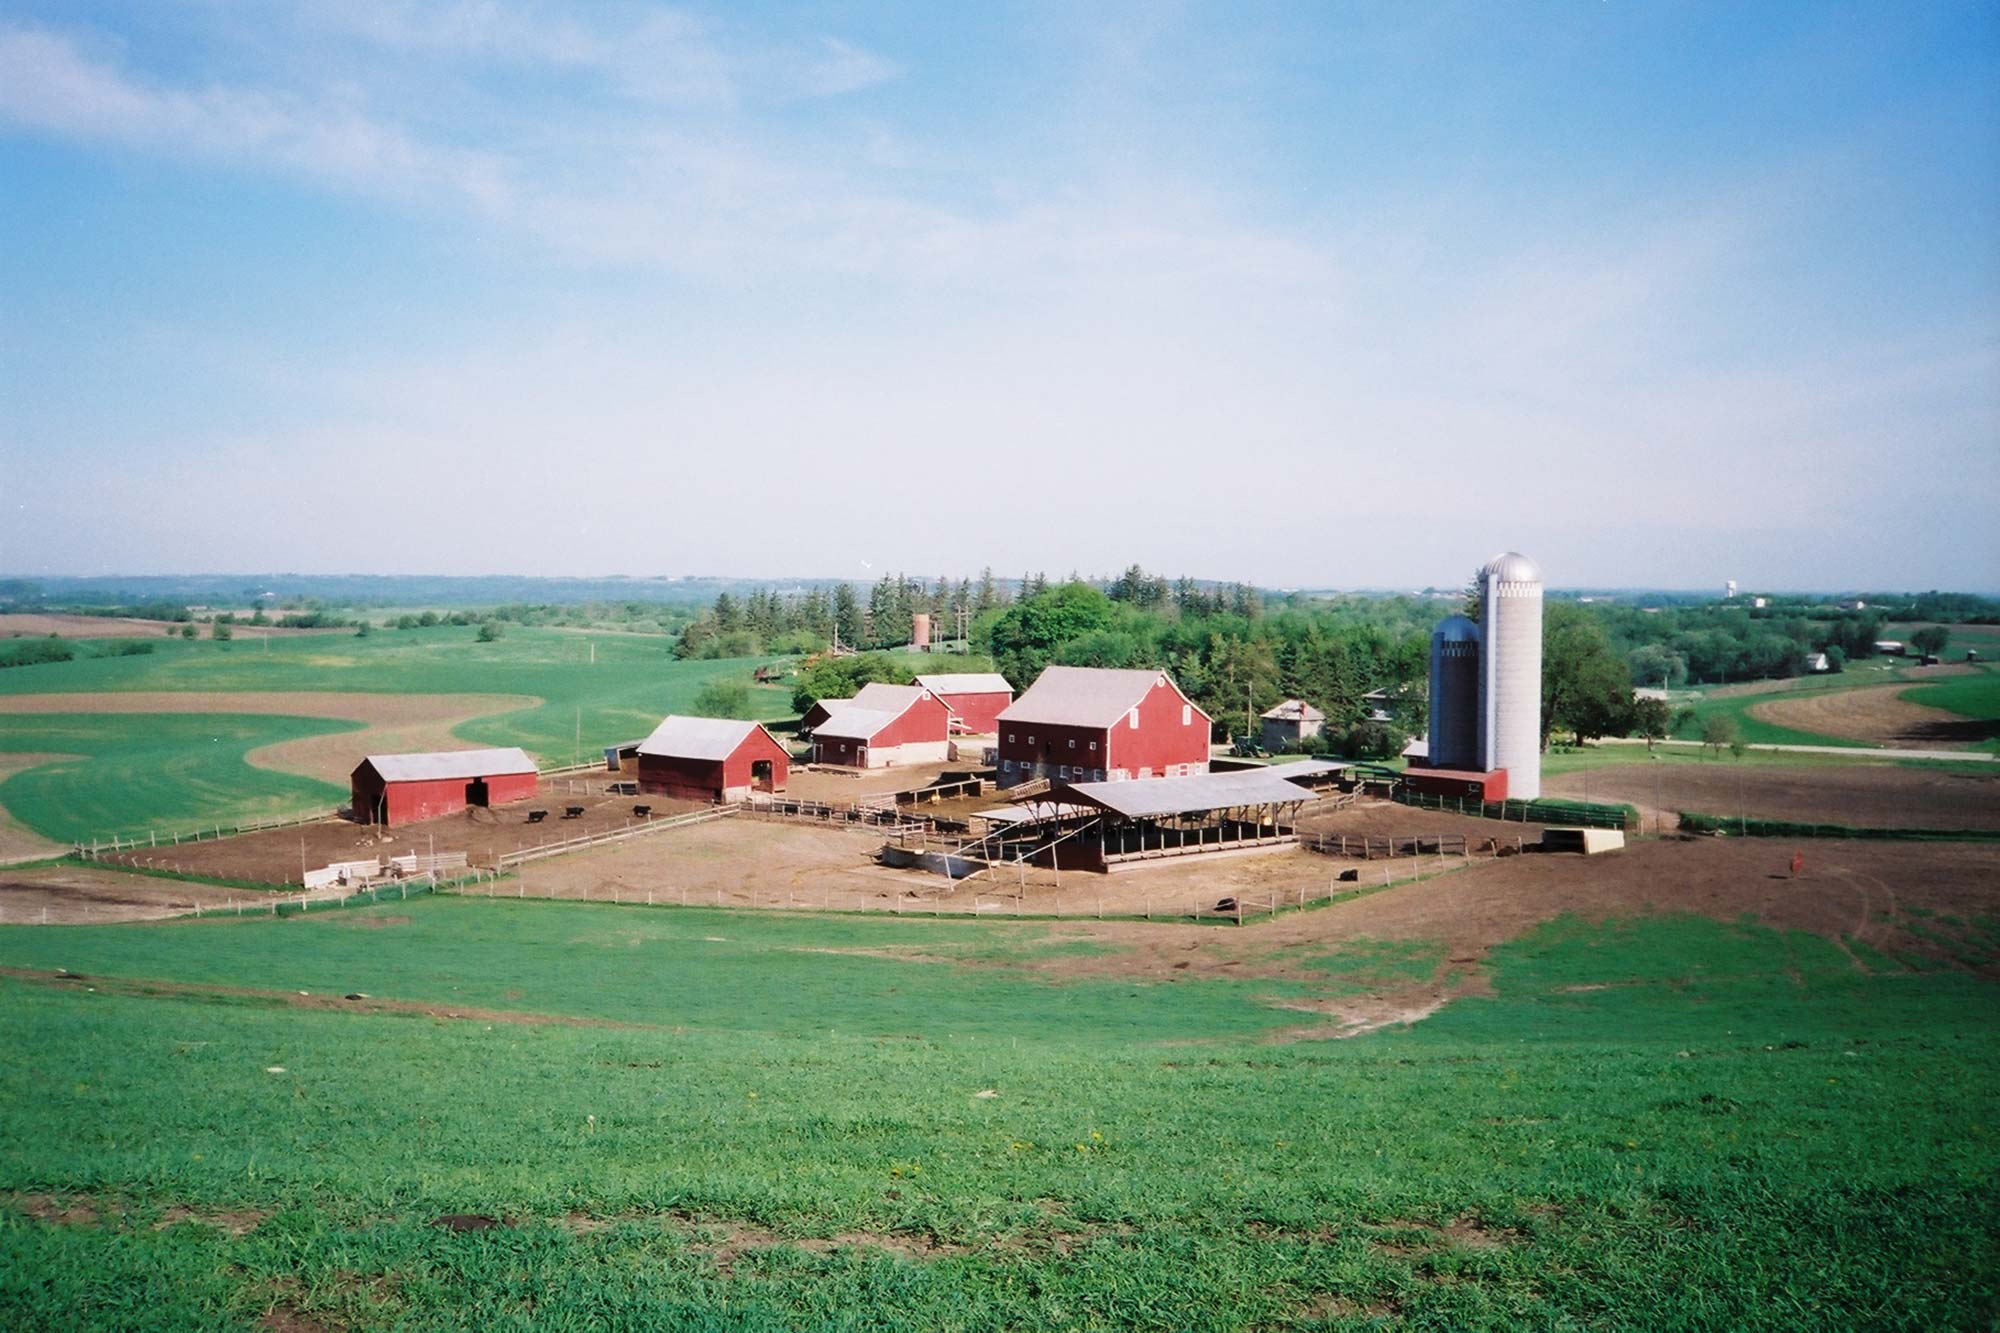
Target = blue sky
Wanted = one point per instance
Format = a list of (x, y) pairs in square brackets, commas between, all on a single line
[(1321, 294)]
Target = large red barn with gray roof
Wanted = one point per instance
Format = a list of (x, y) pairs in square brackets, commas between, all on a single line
[(401, 788), (711, 759), (1089, 724)]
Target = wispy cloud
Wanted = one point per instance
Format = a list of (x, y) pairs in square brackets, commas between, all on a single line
[(47, 83)]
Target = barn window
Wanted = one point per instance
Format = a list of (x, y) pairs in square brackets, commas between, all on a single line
[(1072, 742), (1093, 745), (1187, 715), (1010, 738), (1133, 717)]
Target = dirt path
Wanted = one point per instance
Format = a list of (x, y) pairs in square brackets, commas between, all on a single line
[(395, 722), (67, 895), (1878, 715)]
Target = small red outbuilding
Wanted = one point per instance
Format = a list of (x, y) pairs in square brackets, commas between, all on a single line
[(975, 699), (1464, 784), (400, 788), (711, 759)]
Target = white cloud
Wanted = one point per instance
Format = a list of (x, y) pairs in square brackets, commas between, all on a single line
[(47, 84)]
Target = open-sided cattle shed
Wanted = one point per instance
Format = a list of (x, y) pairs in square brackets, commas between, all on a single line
[(401, 788), (975, 698), (881, 726), (1111, 825), (711, 759)]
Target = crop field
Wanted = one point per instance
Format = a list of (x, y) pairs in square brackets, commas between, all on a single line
[(1901, 706), (279, 704), (568, 1115)]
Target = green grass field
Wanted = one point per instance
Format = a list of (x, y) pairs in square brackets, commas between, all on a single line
[(173, 772), (1976, 696), (1659, 1123)]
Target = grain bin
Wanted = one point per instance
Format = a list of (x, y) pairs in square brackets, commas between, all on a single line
[(1454, 735), (1510, 687)]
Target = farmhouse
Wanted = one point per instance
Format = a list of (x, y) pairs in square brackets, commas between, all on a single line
[(711, 759), (400, 788), (975, 699), (1087, 724), (1291, 722), (881, 726)]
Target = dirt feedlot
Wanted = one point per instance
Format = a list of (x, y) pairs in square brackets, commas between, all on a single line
[(751, 861), (276, 855)]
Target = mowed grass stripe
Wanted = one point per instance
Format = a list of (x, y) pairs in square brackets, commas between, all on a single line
[(156, 771)]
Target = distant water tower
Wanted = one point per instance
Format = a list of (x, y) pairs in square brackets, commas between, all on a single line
[(1454, 739), (1510, 686), (1729, 588)]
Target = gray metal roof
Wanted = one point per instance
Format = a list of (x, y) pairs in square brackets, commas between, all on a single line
[(1294, 710), (1147, 798), (697, 737), (443, 764), (857, 724), (887, 698), (970, 682), (1068, 696), (1305, 768)]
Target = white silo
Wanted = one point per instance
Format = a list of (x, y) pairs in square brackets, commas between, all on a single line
[(1454, 738), (1510, 684)]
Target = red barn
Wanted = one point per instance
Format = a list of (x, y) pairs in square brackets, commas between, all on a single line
[(399, 788), (711, 759), (1086, 724), (881, 726), (976, 699), (1462, 783)]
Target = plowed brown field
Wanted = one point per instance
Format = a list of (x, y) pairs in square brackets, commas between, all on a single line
[(1876, 715)]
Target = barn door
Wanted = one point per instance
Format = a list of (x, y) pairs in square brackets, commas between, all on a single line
[(475, 792)]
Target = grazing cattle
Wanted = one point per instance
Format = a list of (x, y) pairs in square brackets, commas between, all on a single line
[(537, 816)]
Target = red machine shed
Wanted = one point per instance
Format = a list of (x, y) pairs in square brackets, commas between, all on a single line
[(1461, 783), (1088, 724), (711, 759), (401, 788), (976, 699)]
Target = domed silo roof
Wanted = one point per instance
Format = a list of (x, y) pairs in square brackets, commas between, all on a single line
[(1512, 567), (1456, 629)]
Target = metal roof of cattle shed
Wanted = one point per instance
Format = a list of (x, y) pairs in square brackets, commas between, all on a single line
[(1151, 798)]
